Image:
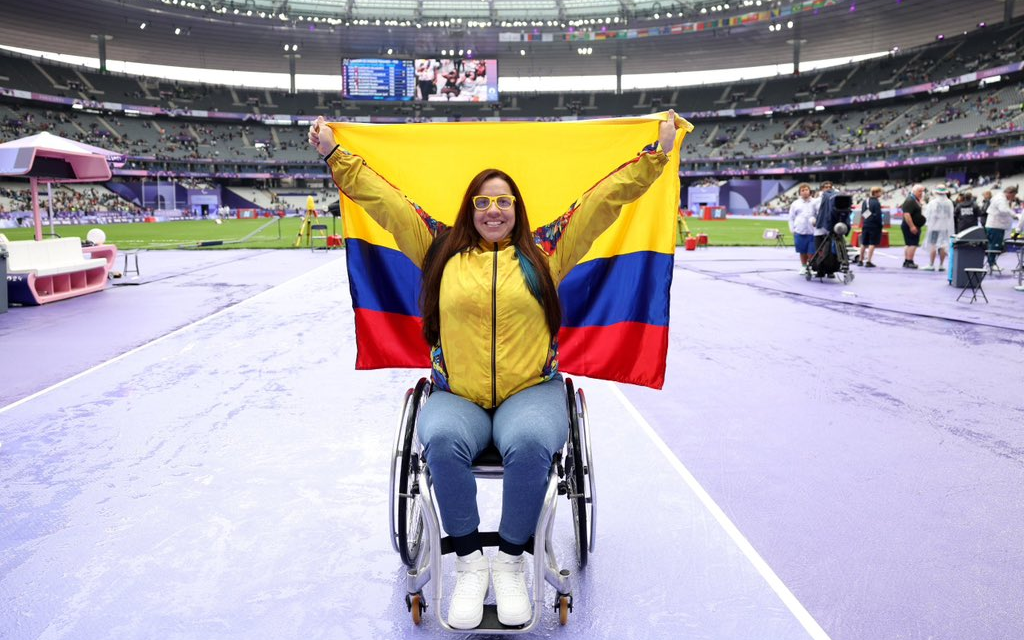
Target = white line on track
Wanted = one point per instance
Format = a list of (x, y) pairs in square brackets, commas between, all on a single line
[(177, 331), (776, 584)]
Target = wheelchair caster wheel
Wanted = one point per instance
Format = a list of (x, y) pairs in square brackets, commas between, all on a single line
[(563, 606), (417, 605)]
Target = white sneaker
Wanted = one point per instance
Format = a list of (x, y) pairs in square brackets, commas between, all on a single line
[(509, 575), (472, 577), (928, 268)]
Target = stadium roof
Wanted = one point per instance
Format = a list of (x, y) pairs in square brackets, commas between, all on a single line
[(210, 34)]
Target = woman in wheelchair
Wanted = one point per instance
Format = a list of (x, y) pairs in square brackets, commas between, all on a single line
[(489, 301)]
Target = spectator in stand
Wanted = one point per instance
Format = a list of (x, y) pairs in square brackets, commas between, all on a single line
[(870, 227), (1000, 219), (801, 225), (939, 216), (823, 213), (913, 220)]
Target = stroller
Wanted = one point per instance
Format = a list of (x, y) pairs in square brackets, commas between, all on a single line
[(831, 257)]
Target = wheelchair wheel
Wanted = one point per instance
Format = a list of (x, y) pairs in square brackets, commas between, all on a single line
[(407, 529), (575, 469), (396, 457), (590, 488)]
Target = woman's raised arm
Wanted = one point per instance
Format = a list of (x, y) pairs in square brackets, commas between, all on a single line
[(570, 237), (412, 227)]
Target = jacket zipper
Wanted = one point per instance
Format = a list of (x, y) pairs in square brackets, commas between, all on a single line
[(494, 329)]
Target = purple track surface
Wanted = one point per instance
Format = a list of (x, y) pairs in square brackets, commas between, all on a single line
[(191, 455)]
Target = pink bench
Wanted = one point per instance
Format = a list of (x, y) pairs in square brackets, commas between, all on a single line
[(48, 270)]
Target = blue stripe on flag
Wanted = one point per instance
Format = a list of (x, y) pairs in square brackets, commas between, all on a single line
[(629, 288), (382, 279)]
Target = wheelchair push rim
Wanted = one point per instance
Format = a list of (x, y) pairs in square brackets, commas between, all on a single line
[(575, 474), (407, 516), (588, 468), (396, 455)]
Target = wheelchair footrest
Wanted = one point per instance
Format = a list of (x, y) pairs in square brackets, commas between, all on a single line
[(487, 539), (490, 620)]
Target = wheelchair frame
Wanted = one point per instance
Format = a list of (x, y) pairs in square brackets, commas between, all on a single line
[(414, 513)]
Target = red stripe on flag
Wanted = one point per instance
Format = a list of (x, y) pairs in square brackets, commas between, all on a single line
[(629, 352), (385, 340)]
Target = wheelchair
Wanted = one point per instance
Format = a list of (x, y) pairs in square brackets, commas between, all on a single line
[(416, 526)]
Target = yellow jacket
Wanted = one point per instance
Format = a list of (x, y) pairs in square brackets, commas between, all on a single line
[(495, 340)]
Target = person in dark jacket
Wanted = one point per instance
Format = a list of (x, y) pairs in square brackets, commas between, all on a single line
[(824, 214), (967, 213), (870, 227), (986, 199)]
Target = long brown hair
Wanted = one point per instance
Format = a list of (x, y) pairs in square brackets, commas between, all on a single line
[(463, 235)]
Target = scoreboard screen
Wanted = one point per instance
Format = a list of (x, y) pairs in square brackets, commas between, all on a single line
[(456, 80), (378, 79)]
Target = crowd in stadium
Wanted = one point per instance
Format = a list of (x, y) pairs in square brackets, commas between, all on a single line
[(968, 120)]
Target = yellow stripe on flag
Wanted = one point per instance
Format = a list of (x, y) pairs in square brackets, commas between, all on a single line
[(553, 163)]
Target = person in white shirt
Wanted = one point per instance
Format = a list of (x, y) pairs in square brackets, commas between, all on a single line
[(999, 221), (801, 224), (939, 215)]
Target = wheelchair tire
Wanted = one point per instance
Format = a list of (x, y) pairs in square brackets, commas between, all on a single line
[(396, 458), (409, 517), (590, 488), (574, 475)]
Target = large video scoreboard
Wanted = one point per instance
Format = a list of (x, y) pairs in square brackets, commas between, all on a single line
[(378, 79)]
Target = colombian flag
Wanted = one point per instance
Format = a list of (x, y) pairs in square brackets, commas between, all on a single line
[(615, 301)]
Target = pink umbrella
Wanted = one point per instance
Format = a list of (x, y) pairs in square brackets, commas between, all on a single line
[(47, 158)]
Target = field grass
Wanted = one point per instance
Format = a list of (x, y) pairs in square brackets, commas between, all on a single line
[(734, 232), (185, 233), (749, 232)]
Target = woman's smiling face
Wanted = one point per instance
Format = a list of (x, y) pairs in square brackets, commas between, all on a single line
[(495, 223)]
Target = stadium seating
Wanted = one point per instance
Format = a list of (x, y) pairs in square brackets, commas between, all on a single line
[(967, 119)]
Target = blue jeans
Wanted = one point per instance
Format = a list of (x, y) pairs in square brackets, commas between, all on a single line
[(528, 429)]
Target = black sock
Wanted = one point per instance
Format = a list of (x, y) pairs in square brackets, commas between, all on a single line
[(511, 549), (467, 544)]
